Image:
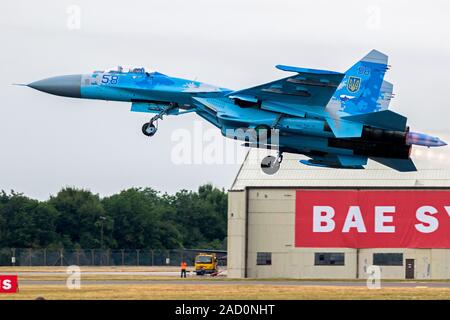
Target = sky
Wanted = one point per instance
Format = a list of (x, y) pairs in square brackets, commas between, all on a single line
[(49, 142)]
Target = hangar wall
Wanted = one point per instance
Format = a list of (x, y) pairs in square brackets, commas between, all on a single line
[(236, 234), (262, 220), (261, 225)]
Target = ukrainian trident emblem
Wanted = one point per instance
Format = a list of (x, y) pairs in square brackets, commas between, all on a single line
[(353, 84)]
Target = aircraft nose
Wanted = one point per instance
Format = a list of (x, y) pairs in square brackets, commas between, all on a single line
[(441, 143), (66, 86)]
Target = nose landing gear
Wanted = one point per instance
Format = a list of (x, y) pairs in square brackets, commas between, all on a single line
[(270, 164), (149, 128)]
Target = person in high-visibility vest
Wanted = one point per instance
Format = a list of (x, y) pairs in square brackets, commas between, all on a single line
[(183, 269)]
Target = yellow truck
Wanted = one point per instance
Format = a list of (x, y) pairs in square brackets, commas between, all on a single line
[(205, 263)]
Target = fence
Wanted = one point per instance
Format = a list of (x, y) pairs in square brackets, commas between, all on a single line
[(95, 257)]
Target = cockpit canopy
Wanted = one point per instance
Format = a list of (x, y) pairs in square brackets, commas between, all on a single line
[(121, 69), (137, 70)]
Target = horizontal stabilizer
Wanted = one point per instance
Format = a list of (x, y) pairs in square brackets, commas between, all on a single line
[(385, 119), (352, 161), (314, 163), (402, 165), (337, 161), (345, 129)]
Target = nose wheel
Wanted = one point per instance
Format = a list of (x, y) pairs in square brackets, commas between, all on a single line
[(149, 129), (270, 164)]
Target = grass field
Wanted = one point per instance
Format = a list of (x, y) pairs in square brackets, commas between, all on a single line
[(246, 289)]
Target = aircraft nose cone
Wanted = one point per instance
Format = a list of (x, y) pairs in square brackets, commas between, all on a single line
[(66, 86)]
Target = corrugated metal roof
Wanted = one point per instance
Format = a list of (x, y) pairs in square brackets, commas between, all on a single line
[(433, 171)]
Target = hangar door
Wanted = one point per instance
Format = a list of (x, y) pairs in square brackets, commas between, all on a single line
[(409, 268)]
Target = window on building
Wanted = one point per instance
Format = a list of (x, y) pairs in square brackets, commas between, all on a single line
[(388, 259), (329, 259), (263, 258)]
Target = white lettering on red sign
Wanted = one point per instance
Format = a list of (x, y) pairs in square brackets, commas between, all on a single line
[(323, 219), (354, 219), (429, 223), (373, 218), (6, 284)]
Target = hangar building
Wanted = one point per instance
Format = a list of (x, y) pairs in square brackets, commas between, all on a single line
[(270, 228)]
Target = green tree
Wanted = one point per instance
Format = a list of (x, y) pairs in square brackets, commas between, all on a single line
[(200, 216), (139, 220), (79, 214), (44, 217), (17, 220), (132, 219)]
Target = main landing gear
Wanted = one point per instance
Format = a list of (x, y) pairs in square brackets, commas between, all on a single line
[(270, 164)]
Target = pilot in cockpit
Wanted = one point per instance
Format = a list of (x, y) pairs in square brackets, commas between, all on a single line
[(138, 70)]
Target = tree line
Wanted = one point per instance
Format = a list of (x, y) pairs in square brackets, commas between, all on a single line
[(136, 218)]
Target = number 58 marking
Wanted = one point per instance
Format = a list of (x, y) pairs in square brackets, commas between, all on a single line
[(110, 79)]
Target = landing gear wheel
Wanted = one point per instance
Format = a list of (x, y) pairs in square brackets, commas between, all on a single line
[(149, 129), (270, 165)]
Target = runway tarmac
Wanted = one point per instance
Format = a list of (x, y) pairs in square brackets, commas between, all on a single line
[(209, 281), (206, 280), (99, 273)]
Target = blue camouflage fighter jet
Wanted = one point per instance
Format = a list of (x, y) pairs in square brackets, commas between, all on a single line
[(337, 120)]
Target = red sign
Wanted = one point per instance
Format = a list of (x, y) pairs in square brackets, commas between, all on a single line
[(8, 284), (372, 219)]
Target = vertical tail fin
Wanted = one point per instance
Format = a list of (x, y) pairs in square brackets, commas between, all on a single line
[(385, 95), (360, 88)]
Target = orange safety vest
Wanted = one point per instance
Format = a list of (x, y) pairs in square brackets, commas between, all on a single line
[(183, 265)]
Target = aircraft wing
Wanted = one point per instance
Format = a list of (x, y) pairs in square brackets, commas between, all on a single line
[(308, 88)]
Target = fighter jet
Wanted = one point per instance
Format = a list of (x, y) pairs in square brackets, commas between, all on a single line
[(337, 120)]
